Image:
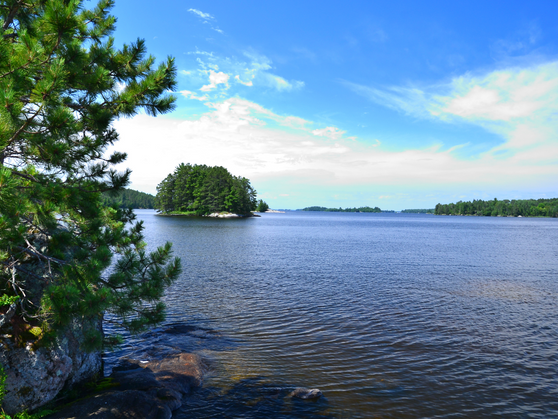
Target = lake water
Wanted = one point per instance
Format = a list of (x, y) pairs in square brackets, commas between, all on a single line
[(390, 315)]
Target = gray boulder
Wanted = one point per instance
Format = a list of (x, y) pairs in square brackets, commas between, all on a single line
[(35, 377)]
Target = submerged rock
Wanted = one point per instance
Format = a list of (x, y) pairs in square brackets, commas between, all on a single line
[(306, 393), (129, 404), (146, 390)]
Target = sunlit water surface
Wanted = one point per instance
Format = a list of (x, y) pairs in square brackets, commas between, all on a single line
[(390, 315)]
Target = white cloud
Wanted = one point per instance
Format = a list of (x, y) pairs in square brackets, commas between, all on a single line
[(245, 83), (206, 17), (201, 14), (520, 104), (280, 83), (215, 79), (248, 140), (504, 95), (191, 95), (254, 72), (412, 101), (197, 52), (330, 132)]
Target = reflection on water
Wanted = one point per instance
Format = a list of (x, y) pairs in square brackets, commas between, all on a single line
[(390, 315)]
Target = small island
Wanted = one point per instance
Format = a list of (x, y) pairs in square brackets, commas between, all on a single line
[(202, 190), (418, 211), (360, 209)]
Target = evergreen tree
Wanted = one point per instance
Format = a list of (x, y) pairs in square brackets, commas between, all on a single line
[(129, 198), (262, 206), (62, 84)]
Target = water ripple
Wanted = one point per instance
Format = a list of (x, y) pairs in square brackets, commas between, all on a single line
[(397, 316)]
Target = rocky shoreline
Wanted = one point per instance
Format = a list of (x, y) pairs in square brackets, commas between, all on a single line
[(223, 214), (141, 389)]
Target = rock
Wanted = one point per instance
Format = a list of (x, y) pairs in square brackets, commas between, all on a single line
[(5, 318), (35, 377), (136, 379), (129, 404), (306, 394), (178, 372), (227, 215), (150, 390)]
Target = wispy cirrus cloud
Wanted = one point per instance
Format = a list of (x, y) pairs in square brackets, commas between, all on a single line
[(518, 103), (255, 71), (207, 18)]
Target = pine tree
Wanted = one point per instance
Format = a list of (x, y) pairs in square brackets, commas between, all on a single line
[(62, 84)]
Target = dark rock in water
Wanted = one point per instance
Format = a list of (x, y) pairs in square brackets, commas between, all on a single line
[(137, 379), (150, 390), (115, 405), (178, 372), (306, 394)]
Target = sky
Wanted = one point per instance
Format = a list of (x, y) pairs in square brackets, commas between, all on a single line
[(395, 104)]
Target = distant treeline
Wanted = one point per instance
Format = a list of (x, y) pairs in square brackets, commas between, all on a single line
[(128, 198), (361, 209), (504, 208), (418, 211)]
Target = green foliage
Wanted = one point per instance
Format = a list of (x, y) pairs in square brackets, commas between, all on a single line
[(2, 384), (262, 206), (24, 415), (62, 85), (418, 211), (203, 190), (101, 385), (504, 208), (361, 209), (128, 198), (6, 300)]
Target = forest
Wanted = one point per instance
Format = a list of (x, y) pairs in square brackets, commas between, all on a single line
[(129, 198), (503, 208), (201, 190), (361, 209)]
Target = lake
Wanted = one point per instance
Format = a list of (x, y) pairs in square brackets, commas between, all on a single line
[(389, 315)]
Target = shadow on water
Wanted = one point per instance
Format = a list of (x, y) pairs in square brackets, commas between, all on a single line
[(251, 398)]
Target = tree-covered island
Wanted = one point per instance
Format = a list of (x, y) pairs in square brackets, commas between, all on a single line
[(202, 190), (360, 209), (418, 211), (502, 208)]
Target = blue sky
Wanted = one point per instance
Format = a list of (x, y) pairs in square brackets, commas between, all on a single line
[(392, 104)]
